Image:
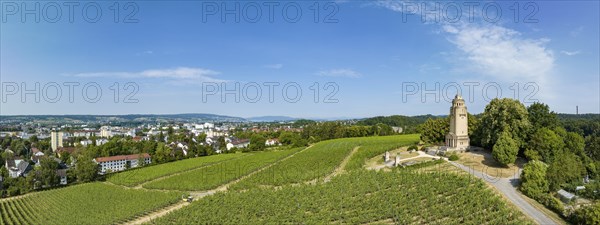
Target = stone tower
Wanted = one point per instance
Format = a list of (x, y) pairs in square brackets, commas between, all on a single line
[(458, 136)]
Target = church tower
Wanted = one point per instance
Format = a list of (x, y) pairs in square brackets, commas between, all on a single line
[(458, 136)]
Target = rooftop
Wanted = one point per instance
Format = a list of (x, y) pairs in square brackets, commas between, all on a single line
[(122, 157)]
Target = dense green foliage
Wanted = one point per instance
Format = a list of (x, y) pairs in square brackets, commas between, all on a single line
[(409, 123), (331, 130), (565, 169), (401, 197), (587, 215), (533, 179), (434, 130), (144, 174), (213, 176), (504, 115), (505, 150), (544, 145), (92, 203)]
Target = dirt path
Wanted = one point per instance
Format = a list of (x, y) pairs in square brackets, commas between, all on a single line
[(158, 213), (340, 168), (421, 155)]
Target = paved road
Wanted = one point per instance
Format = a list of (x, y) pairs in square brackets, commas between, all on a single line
[(508, 187)]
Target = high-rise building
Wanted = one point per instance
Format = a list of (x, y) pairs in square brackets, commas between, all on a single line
[(56, 140)]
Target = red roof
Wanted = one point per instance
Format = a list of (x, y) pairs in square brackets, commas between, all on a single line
[(66, 149), (121, 157)]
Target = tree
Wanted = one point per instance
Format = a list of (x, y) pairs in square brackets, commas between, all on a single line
[(533, 179), (565, 169), (434, 130), (587, 215), (48, 168), (257, 143), (541, 116), (575, 143), (162, 153), (592, 146), (504, 115), (544, 145), (505, 150), (86, 170)]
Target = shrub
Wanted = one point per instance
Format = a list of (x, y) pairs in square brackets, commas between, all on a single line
[(453, 157), (551, 203), (586, 215), (413, 147)]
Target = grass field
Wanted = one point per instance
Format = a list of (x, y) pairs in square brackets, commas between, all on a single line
[(91, 203)]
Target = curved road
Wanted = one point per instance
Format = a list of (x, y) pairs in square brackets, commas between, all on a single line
[(507, 186)]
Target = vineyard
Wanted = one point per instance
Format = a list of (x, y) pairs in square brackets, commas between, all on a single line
[(137, 176), (361, 196), (373, 146), (92, 203), (213, 176), (315, 162), (432, 192)]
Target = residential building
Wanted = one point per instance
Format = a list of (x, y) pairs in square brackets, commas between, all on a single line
[(62, 174), (239, 143), (105, 132), (271, 142), (17, 167), (121, 162), (56, 140)]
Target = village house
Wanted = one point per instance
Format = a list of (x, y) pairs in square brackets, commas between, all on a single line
[(271, 142), (17, 167), (239, 143), (121, 162), (62, 174)]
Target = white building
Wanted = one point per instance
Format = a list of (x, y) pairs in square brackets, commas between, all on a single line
[(105, 132), (121, 162), (271, 142), (458, 136), (56, 140), (242, 143), (85, 142)]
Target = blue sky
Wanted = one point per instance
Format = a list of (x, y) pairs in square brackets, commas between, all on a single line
[(366, 58)]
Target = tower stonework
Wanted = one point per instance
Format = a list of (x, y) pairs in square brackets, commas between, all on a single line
[(458, 135)]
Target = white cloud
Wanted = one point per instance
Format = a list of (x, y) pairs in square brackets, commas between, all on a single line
[(502, 52), (339, 73), (274, 66), (570, 53), (180, 73)]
